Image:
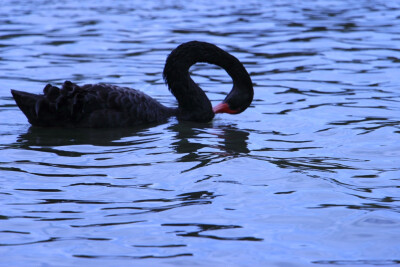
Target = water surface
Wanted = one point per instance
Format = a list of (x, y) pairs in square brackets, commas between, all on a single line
[(308, 176)]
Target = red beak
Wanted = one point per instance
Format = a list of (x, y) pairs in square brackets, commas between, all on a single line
[(223, 108)]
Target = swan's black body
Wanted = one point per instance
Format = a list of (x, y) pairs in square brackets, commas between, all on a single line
[(103, 105), (90, 105)]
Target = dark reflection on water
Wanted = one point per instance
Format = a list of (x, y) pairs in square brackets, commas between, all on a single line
[(132, 257), (186, 199), (233, 143), (40, 138), (212, 227), (308, 175)]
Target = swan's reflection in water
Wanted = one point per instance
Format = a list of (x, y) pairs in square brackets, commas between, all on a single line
[(37, 136), (154, 146), (190, 140), (66, 141), (231, 139)]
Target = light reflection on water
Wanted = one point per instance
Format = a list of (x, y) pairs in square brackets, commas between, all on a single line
[(308, 175)]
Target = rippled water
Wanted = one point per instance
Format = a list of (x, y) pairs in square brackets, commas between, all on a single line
[(309, 175)]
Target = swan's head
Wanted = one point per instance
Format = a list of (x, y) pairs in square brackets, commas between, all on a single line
[(237, 101)]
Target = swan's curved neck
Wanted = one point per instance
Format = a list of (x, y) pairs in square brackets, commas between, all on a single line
[(193, 102)]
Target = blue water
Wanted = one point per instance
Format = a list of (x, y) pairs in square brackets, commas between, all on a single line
[(309, 175)]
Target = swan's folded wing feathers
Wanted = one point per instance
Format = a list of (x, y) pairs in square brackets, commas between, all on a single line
[(38, 106)]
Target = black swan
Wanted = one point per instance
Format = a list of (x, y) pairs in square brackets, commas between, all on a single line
[(104, 105)]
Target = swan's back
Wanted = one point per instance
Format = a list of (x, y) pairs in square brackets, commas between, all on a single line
[(90, 105)]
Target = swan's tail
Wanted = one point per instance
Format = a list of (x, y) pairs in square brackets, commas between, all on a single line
[(35, 107)]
